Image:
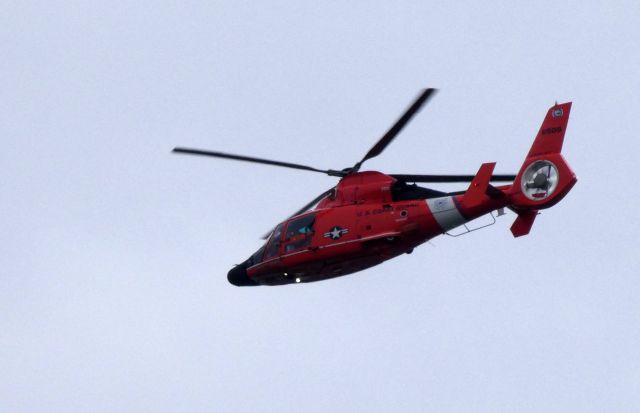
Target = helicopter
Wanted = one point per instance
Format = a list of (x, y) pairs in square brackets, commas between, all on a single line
[(370, 217)]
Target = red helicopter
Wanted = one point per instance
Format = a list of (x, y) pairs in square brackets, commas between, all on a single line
[(370, 217)]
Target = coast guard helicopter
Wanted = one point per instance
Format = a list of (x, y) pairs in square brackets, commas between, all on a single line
[(370, 217)]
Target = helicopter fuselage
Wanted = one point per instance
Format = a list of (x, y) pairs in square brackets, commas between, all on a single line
[(360, 225)]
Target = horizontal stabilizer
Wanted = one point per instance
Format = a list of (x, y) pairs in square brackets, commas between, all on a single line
[(478, 187), (523, 223)]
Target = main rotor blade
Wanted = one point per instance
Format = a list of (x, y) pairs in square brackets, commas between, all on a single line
[(303, 209), (450, 178), (255, 160), (397, 127)]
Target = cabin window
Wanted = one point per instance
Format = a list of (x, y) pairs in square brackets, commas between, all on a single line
[(299, 233), (273, 245)]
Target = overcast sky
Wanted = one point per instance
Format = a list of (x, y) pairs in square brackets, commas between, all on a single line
[(114, 252)]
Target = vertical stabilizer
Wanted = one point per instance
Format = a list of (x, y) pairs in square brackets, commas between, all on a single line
[(545, 177)]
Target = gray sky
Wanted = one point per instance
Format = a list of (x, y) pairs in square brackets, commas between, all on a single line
[(114, 253)]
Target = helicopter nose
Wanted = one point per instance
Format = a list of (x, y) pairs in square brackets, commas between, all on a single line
[(238, 276)]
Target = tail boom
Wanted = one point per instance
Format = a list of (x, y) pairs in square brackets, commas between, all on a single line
[(544, 179)]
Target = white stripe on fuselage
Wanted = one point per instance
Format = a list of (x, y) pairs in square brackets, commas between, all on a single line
[(445, 212)]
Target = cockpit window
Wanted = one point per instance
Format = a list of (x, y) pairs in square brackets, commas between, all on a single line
[(299, 233), (300, 226), (274, 243)]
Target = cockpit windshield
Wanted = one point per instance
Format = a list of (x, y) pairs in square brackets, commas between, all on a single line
[(298, 235), (273, 245)]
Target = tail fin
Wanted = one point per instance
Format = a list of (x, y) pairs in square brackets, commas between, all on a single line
[(545, 177), (479, 186), (551, 134)]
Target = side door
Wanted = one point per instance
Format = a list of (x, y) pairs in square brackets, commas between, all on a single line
[(299, 233)]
